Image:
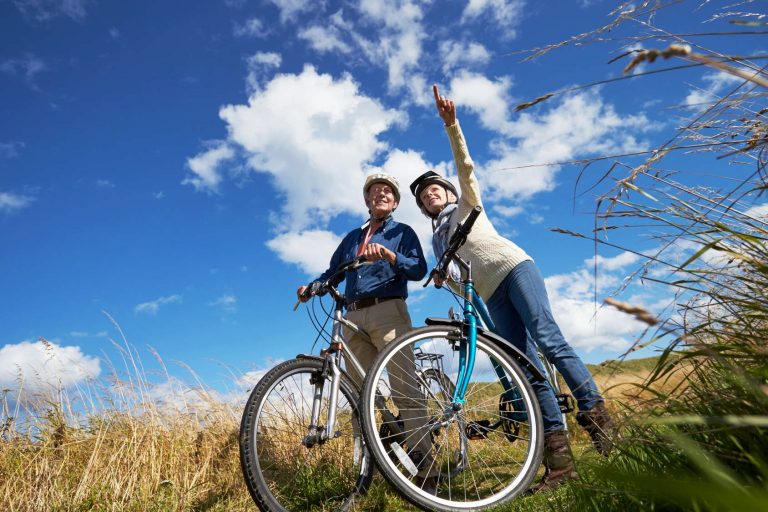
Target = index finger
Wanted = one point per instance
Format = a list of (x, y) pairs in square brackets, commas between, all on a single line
[(434, 90)]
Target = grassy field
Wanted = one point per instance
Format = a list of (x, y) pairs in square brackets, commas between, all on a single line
[(155, 458)]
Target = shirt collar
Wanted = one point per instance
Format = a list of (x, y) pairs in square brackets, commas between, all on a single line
[(385, 224)]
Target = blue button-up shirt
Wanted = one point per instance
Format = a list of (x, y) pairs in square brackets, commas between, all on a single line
[(381, 279)]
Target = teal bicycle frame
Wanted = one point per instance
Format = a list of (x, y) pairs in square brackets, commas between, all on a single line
[(473, 308)]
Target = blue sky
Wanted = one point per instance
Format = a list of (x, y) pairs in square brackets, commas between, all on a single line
[(184, 166)]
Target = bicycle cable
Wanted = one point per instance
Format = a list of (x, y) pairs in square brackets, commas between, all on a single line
[(315, 323)]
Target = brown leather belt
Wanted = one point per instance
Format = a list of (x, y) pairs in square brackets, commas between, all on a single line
[(368, 302)]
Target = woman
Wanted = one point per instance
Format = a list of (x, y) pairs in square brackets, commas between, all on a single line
[(513, 289)]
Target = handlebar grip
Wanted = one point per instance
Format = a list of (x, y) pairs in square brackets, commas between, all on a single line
[(465, 227)]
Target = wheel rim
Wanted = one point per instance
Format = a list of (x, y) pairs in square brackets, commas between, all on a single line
[(293, 475), (472, 474)]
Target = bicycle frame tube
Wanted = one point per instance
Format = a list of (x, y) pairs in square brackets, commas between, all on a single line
[(466, 350), (481, 308)]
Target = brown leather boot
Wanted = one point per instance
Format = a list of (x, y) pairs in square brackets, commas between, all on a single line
[(598, 424), (558, 461)]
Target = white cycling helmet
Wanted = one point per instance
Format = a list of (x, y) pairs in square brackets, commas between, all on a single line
[(382, 178)]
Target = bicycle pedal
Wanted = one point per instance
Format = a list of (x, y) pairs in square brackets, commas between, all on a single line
[(566, 403), (478, 429)]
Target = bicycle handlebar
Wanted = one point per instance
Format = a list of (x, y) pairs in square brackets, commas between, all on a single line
[(458, 239), (320, 288)]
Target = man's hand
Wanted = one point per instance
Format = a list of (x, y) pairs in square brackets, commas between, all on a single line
[(375, 252), (302, 294), (446, 108)]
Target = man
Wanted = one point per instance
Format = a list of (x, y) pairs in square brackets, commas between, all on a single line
[(375, 298)]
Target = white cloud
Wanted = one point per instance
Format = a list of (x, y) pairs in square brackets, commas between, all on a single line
[(310, 250), (114, 33), (321, 140), (577, 126), (462, 54), (398, 44), (506, 13), (324, 39), (572, 298), (259, 64), (10, 203), (43, 10), (43, 365), (252, 27), (105, 184), (613, 263), (290, 9), (205, 168), (759, 212), (487, 98), (152, 307), (700, 99)]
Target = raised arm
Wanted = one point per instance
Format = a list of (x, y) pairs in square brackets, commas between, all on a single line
[(470, 188)]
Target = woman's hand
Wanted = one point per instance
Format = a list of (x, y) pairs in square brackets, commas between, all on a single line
[(446, 108)]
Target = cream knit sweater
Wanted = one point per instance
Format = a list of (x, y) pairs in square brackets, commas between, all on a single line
[(492, 255)]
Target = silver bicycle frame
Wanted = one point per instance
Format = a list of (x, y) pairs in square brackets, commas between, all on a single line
[(337, 351)]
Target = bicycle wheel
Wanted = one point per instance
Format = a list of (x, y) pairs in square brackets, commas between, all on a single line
[(283, 473), (485, 453)]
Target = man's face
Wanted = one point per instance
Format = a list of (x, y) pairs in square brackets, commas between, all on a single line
[(381, 200)]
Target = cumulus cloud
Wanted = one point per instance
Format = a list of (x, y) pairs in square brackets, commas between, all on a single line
[(42, 365), (152, 307), (259, 66), (322, 140), (206, 175), (488, 99), (44, 10), (462, 54), (310, 250), (10, 203), (700, 98), (325, 39), (506, 13), (759, 212), (613, 263), (572, 297), (577, 126)]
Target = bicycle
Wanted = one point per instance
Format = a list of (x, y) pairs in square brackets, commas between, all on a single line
[(486, 431), (301, 443)]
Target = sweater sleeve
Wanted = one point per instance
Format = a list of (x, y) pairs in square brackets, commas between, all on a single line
[(470, 188)]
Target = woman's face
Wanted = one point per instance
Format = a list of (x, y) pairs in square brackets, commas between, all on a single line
[(434, 198)]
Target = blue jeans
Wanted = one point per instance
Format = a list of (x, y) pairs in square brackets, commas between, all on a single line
[(519, 306)]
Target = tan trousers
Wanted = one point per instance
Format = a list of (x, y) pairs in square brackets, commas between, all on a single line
[(384, 322)]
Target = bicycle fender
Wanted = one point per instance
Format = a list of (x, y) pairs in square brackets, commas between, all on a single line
[(512, 350), (309, 356)]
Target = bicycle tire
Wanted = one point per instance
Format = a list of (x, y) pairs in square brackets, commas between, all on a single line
[(280, 472), (480, 473)]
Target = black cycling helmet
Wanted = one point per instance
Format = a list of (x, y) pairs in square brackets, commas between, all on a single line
[(426, 179)]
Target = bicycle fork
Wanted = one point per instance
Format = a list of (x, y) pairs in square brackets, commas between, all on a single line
[(319, 434)]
